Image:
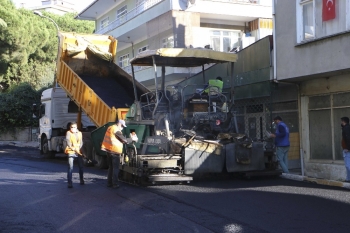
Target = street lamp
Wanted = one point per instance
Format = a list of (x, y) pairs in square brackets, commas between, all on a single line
[(58, 38), (132, 45), (43, 16)]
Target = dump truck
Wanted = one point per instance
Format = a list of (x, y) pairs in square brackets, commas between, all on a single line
[(56, 112), (91, 89)]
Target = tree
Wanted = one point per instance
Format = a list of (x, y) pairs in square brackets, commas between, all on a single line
[(67, 23), (16, 107), (28, 44), (28, 52), (2, 23)]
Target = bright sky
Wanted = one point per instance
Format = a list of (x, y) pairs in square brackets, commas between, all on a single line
[(79, 4)]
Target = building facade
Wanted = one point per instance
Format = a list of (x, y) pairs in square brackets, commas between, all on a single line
[(141, 25), (58, 7), (312, 43)]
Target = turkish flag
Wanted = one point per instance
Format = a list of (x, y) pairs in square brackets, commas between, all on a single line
[(328, 10)]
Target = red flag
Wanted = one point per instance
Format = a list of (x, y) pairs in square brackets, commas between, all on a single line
[(328, 10)]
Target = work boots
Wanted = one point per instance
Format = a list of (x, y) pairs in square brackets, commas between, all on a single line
[(82, 181)]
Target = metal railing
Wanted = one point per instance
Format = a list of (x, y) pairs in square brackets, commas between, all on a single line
[(145, 5), (149, 103), (136, 68), (237, 1)]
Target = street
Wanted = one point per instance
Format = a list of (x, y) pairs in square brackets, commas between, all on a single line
[(35, 198)]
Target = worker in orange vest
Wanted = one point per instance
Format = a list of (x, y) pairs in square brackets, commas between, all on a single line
[(74, 141), (113, 144)]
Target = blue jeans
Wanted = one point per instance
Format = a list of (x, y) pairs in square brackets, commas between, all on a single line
[(346, 156), (113, 161), (282, 156), (70, 167)]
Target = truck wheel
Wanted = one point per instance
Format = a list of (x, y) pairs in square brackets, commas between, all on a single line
[(101, 160), (45, 149)]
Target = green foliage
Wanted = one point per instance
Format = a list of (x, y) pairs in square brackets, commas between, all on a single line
[(16, 107), (2, 23), (28, 52), (67, 23), (29, 45)]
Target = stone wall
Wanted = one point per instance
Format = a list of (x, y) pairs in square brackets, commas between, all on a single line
[(325, 171), (21, 134)]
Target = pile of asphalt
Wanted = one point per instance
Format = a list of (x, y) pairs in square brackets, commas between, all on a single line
[(112, 92)]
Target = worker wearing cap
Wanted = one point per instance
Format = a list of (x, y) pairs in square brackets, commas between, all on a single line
[(113, 144)]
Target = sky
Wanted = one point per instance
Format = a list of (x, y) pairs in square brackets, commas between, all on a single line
[(79, 4)]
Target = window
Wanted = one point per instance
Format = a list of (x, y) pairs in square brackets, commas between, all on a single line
[(124, 61), (104, 22), (140, 4), (313, 23), (72, 107), (144, 48), (42, 110), (121, 14), (224, 41), (168, 42), (324, 120), (307, 23)]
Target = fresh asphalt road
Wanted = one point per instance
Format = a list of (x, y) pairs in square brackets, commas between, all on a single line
[(35, 198)]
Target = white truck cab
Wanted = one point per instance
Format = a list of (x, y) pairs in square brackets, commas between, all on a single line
[(55, 114)]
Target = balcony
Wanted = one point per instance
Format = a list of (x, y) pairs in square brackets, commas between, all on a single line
[(232, 10), (145, 5), (237, 1)]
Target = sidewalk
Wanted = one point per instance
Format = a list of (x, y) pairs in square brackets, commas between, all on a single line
[(295, 174), (20, 144)]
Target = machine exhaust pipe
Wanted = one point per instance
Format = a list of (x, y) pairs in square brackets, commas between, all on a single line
[(167, 128)]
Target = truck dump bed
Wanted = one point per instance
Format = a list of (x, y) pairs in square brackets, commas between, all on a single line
[(87, 72)]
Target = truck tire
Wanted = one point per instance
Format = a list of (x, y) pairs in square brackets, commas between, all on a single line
[(101, 160), (45, 149)]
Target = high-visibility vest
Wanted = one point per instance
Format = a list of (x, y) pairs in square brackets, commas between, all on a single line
[(110, 142), (75, 143), (215, 86)]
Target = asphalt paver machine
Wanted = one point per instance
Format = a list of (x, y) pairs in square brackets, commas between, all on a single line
[(184, 133)]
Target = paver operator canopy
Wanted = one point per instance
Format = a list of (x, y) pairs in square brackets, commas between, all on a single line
[(180, 57)]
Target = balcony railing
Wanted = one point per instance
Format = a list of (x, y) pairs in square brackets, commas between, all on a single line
[(136, 68), (128, 16), (237, 1)]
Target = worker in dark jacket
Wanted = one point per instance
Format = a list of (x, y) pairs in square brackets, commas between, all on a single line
[(282, 143), (346, 145)]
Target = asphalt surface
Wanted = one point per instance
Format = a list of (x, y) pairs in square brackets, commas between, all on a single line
[(35, 198)]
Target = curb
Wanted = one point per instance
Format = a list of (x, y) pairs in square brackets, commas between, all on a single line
[(20, 143), (315, 180)]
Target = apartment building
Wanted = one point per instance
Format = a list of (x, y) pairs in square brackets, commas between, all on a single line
[(139, 25), (311, 51), (58, 7)]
